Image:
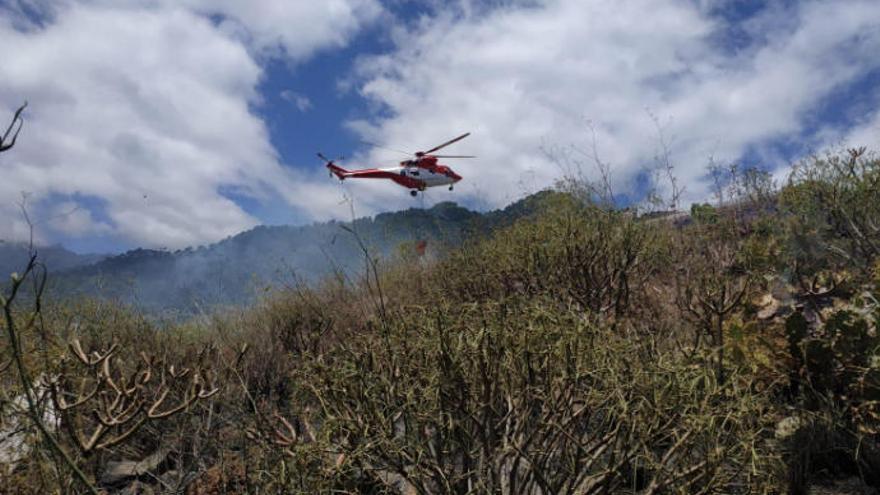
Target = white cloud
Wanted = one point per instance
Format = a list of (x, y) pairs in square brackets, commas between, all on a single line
[(865, 133), (70, 218), (522, 77), (298, 27), (301, 102), (147, 105)]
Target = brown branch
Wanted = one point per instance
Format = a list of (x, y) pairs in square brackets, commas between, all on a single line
[(5, 144), (120, 400), (96, 359)]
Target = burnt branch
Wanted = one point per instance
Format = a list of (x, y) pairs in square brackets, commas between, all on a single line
[(16, 124)]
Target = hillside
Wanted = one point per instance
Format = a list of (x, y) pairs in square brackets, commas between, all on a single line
[(236, 270), (575, 348), (14, 256)]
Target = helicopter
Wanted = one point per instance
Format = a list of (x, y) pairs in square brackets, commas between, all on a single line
[(416, 174)]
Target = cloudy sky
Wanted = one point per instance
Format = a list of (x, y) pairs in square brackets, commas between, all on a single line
[(168, 123)]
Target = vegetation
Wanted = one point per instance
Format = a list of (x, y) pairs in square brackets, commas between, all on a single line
[(579, 349), (238, 270)]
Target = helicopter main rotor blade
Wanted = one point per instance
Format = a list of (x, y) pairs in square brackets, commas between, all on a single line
[(453, 156), (386, 148), (447, 143)]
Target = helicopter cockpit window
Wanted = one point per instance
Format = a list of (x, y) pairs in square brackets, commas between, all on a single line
[(403, 173)]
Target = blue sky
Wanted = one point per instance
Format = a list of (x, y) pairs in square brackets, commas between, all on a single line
[(163, 123)]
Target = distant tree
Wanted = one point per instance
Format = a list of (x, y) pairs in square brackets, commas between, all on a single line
[(5, 143), (704, 214)]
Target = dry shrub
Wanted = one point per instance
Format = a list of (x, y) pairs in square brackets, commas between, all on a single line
[(553, 357), (833, 212), (594, 259), (524, 398)]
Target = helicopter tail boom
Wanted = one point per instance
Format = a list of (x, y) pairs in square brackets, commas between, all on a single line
[(338, 171)]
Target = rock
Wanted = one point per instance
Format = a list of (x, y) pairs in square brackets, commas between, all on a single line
[(788, 427), (138, 488), (119, 472), (15, 426), (769, 307)]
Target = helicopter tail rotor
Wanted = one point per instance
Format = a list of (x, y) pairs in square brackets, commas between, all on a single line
[(338, 171), (334, 169)]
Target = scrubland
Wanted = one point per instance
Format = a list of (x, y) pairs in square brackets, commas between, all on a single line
[(583, 349)]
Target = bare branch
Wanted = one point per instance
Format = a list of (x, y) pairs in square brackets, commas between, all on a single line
[(123, 400), (5, 143)]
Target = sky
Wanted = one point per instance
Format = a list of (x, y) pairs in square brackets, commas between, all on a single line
[(172, 123)]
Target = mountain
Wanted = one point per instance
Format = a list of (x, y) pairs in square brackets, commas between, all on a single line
[(236, 270), (14, 256)]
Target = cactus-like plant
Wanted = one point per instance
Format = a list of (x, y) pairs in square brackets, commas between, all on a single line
[(115, 404)]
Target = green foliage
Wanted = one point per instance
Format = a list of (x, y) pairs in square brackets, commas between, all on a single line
[(582, 255), (837, 373), (847, 346), (704, 214), (834, 211)]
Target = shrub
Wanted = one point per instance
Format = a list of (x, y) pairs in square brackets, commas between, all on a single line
[(834, 212), (523, 397)]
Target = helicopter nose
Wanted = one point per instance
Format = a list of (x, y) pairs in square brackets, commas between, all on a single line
[(455, 176)]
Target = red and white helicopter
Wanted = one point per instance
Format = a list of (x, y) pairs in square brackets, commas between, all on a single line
[(416, 174)]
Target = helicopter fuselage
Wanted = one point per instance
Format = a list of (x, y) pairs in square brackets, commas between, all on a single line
[(416, 174), (412, 174)]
